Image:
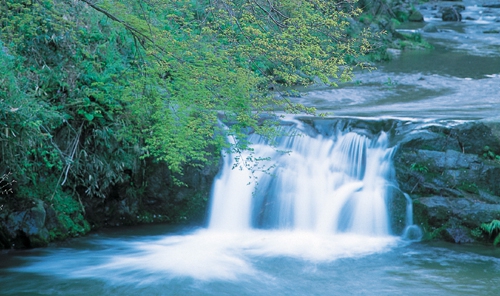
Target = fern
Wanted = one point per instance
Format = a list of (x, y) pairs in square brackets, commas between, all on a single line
[(493, 228)]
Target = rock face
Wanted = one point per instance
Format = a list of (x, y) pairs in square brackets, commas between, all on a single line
[(36, 223), (165, 198), (29, 228), (452, 174)]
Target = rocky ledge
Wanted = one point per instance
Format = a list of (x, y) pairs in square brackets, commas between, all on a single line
[(452, 175)]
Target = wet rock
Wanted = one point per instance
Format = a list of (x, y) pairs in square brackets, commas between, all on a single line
[(27, 229), (454, 186), (163, 199), (4, 238), (457, 235), (492, 32), (451, 14), (430, 28), (397, 210), (464, 212), (416, 16)]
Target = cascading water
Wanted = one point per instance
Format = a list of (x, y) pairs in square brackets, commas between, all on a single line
[(323, 185), (411, 232)]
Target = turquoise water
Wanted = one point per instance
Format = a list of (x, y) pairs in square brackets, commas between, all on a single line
[(82, 267)]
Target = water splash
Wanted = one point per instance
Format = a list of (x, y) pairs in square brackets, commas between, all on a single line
[(324, 185), (411, 232)]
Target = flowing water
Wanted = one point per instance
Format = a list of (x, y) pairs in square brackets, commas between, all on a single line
[(458, 79), (310, 216)]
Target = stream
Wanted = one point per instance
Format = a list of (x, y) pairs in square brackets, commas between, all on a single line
[(458, 79), (87, 266), (283, 235)]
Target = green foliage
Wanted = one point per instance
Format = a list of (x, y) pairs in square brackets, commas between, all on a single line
[(70, 215), (469, 187), (493, 229), (489, 154), (402, 16), (411, 41), (6, 182), (476, 233), (418, 167), (89, 89), (69, 211)]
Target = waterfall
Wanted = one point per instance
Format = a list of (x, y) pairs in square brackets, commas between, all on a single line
[(320, 184), (411, 232), (318, 196)]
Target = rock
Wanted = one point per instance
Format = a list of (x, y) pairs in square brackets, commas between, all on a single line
[(397, 212), (470, 19), (457, 235), (464, 211), (416, 16), (26, 229), (451, 14), (492, 32), (430, 28), (454, 186), (163, 200)]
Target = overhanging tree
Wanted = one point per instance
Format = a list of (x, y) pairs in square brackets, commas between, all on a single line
[(206, 60), (96, 85)]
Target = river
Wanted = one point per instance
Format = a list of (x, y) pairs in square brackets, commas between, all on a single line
[(85, 267), (459, 79), (267, 239)]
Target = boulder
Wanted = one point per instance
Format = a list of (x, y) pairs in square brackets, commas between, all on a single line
[(26, 229), (451, 14), (430, 28), (457, 235), (416, 16)]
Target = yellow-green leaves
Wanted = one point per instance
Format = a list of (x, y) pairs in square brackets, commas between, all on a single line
[(163, 75)]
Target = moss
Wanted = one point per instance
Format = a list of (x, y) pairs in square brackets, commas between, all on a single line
[(37, 242), (69, 212), (469, 187), (420, 218)]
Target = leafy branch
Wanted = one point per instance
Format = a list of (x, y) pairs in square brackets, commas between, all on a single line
[(6, 184)]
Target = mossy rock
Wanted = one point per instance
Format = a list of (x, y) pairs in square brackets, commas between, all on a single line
[(416, 16)]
